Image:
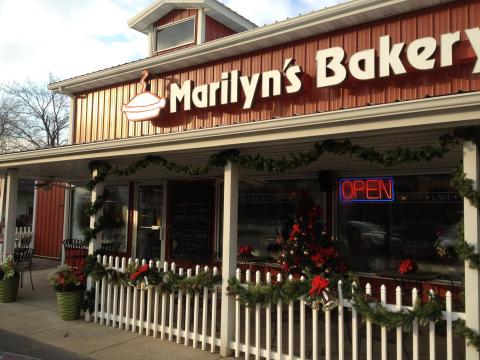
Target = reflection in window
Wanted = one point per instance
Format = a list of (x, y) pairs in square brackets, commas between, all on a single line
[(80, 220), (115, 216), (421, 224), (177, 34), (267, 210)]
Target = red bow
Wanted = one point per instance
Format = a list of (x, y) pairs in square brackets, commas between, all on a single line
[(319, 283), (139, 272)]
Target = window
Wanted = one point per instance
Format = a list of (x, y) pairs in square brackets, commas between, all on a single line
[(115, 216), (420, 224), (177, 34), (268, 208), (80, 219)]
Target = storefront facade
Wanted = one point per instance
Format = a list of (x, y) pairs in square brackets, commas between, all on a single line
[(380, 74)]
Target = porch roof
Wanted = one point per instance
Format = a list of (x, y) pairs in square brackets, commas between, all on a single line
[(411, 123)]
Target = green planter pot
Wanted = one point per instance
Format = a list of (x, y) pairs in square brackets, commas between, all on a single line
[(69, 304), (9, 289)]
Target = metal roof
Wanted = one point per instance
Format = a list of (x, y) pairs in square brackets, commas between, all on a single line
[(336, 17), (213, 8)]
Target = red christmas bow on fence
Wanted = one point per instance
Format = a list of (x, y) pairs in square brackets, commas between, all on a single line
[(139, 272), (319, 283)]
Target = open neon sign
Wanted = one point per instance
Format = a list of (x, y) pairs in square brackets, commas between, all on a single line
[(367, 190)]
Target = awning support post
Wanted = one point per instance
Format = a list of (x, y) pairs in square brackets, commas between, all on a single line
[(471, 167), (96, 242), (10, 211), (229, 255)]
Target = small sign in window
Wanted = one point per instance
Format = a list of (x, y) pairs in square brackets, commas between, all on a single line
[(367, 189)]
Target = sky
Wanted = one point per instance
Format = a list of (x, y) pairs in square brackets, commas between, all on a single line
[(66, 38)]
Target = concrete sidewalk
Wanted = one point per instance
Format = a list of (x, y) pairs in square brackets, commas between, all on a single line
[(34, 316)]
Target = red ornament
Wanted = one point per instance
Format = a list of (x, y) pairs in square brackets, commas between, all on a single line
[(323, 255), (406, 266), (245, 251)]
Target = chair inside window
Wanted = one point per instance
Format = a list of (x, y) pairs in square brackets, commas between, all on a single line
[(25, 240), (111, 248), (22, 257), (75, 251)]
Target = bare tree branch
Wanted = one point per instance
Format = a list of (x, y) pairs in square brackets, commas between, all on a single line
[(38, 118)]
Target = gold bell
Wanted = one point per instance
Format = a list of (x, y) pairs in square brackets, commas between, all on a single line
[(328, 302)]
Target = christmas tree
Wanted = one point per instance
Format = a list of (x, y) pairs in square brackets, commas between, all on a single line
[(307, 250)]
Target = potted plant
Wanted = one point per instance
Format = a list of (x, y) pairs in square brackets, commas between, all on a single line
[(69, 285), (9, 278)]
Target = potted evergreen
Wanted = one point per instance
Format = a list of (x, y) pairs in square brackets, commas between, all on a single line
[(69, 285), (9, 278)]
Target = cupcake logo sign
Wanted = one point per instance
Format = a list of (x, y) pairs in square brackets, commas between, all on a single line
[(144, 106)]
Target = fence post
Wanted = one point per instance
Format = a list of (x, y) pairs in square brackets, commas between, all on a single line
[(229, 258), (471, 166)]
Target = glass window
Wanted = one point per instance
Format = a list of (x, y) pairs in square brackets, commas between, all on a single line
[(267, 210), (80, 220), (421, 224), (115, 216), (174, 35)]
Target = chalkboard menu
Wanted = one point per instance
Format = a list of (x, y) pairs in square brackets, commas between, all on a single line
[(190, 221)]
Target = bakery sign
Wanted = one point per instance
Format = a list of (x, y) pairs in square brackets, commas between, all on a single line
[(331, 69)]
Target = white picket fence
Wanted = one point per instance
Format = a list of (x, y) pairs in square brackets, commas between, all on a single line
[(23, 230), (19, 231), (292, 331), (175, 315)]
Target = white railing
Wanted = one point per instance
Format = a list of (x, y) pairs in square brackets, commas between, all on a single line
[(292, 331), (23, 230), (185, 318), (19, 231)]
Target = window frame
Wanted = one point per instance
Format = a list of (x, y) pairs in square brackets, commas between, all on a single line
[(129, 212), (161, 27)]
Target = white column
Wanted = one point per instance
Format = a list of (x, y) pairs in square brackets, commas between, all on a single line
[(10, 211), (471, 165), (96, 243), (71, 122), (3, 197), (67, 218), (151, 40), (34, 215), (201, 26), (229, 255)]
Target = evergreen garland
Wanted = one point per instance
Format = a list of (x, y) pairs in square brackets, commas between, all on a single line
[(378, 314), (461, 329), (264, 294), (167, 282)]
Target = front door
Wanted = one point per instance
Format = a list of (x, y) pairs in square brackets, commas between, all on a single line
[(149, 222), (190, 221)]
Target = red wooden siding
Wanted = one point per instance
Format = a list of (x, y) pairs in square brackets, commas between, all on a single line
[(176, 15), (49, 222), (215, 30), (451, 17)]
